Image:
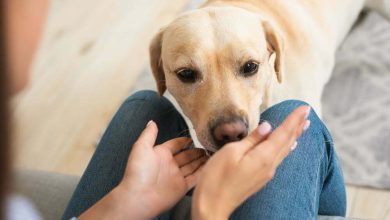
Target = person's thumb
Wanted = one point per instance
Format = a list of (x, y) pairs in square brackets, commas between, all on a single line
[(148, 137)]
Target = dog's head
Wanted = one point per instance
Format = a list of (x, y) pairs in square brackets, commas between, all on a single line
[(218, 63)]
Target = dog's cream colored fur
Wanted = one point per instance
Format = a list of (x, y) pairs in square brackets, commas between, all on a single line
[(294, 41)]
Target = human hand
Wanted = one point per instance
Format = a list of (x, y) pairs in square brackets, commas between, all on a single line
[(156, 178), (242, 168), (159, 176)]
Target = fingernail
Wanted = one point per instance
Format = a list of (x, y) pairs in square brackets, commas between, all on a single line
[(264, 128), (149, 123), (306, 125), (307, 112), (294, 146)]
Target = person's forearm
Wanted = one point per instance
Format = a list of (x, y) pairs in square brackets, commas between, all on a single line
[(116, 205)]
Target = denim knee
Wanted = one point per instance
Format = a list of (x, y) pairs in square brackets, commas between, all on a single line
[(152, 98), (292, 103), (287, 106), (143, 95), (277, 113)]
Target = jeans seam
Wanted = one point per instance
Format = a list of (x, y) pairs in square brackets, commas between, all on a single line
[(318, 176)]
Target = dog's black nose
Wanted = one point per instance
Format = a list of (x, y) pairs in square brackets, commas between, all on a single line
[(229, 131)]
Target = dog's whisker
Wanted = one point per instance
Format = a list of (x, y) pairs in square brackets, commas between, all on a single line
[(183, 132)]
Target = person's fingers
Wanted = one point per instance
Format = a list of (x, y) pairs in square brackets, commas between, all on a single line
[(305, 125), (278, 144), (287, 132), (288, 148), (193, 178), (194, 165), (176, 144), (255, 137), (188, 156), (147, 137)]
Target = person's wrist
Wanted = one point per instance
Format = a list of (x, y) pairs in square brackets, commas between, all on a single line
[(206, 206), (132, 204), (118, 204)]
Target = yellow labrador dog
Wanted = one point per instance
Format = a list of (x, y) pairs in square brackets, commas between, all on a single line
[(230, 59)]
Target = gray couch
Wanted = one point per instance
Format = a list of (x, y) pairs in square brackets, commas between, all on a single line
[(49, 192)]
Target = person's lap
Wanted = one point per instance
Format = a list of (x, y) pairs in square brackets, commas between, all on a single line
[(307, 183)]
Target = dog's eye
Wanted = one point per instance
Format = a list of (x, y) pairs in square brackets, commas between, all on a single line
[(249, 68), (187, 75)]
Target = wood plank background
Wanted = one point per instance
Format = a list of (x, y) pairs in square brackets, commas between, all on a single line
[(91, 54), (90, 57)]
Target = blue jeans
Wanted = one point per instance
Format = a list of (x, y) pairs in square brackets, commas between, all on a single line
[(308, 183)]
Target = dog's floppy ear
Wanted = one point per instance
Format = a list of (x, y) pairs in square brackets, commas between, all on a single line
[(275, 45), (156, 61)]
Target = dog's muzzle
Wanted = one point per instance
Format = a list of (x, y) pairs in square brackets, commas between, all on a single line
[(228, 130)]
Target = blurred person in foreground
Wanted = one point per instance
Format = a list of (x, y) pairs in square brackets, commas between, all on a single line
[(284, 169)]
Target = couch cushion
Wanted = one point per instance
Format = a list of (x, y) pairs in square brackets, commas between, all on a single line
[(50, 192)]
